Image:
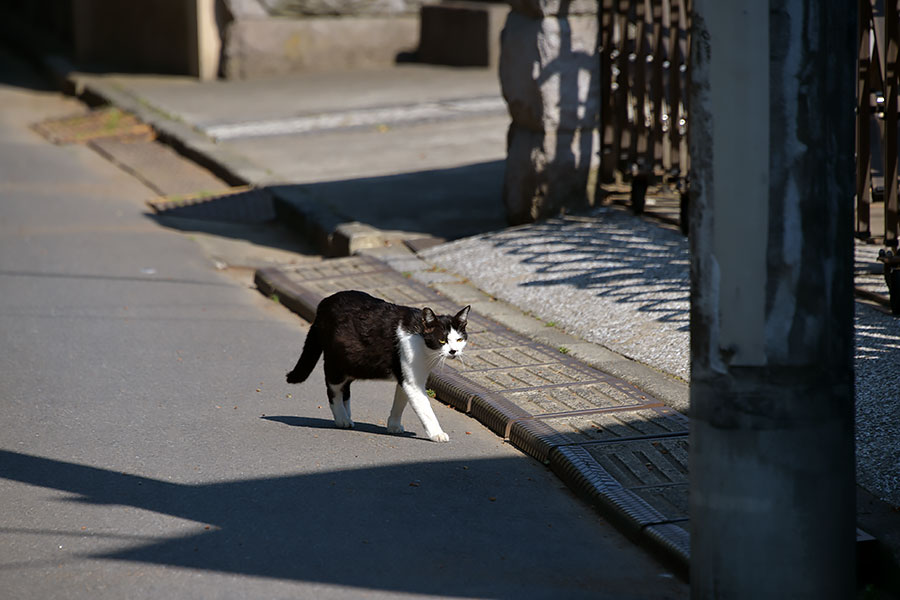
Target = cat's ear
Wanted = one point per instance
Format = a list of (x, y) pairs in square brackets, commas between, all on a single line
[(429, 318), (462, 317)]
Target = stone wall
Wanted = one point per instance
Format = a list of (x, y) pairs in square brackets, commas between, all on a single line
[(266, 38), (274, 47), (550, 76)]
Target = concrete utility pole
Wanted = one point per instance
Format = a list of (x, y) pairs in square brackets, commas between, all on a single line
[(772, 446)]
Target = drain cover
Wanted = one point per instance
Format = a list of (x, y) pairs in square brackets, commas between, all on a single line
[(97, 124)]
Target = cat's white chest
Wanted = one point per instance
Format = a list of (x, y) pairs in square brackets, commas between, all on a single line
[(415, 356)]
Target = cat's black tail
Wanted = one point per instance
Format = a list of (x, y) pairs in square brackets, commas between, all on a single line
[(312, 349)]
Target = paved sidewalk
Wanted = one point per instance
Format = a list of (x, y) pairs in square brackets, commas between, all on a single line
[(402, 154), (606, 288)]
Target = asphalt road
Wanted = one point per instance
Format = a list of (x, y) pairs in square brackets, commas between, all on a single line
[(149, 447)]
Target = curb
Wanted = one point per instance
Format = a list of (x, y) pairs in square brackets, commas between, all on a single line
[(566, 457)]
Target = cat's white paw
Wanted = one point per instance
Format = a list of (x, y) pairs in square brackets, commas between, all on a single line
[(344, 423), (440, 437), (395, 428)]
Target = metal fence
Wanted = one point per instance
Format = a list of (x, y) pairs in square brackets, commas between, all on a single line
[(643, 87), (644, 113), (876, 121)]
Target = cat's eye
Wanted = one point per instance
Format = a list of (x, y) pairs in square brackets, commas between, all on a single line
[(442, 341)]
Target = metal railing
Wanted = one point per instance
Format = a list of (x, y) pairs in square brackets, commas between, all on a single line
[(877, 89), (643, 86)]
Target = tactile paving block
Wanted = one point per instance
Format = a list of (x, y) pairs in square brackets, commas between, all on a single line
[(573, 397), (486, 359), (529, 377)]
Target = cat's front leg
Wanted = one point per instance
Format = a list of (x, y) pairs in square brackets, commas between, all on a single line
[(418, 399)]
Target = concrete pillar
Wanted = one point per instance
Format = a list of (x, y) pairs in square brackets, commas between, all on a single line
[(772, 179), (550, 76)]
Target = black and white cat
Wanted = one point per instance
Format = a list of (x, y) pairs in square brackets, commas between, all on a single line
[(363, 337)]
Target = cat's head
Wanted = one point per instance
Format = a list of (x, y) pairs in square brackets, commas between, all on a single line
[(444, 333)]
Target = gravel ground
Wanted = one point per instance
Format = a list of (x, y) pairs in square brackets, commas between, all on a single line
[(616, 280), (878, 403), (623, 282)]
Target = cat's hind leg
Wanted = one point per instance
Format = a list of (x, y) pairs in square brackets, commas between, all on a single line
[(400, 400), (339, 401), (345, 396)]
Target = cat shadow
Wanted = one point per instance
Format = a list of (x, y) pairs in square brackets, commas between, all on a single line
[(314, 423)]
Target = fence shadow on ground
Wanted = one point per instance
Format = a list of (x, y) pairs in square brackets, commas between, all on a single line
[(618, 257)]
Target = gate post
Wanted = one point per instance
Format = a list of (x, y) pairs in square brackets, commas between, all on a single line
[(772, 181)]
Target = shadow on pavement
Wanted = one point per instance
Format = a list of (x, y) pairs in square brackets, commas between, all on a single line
[(442, 203), (313, 423), (445, 203), (423, 527), (17, 73)]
